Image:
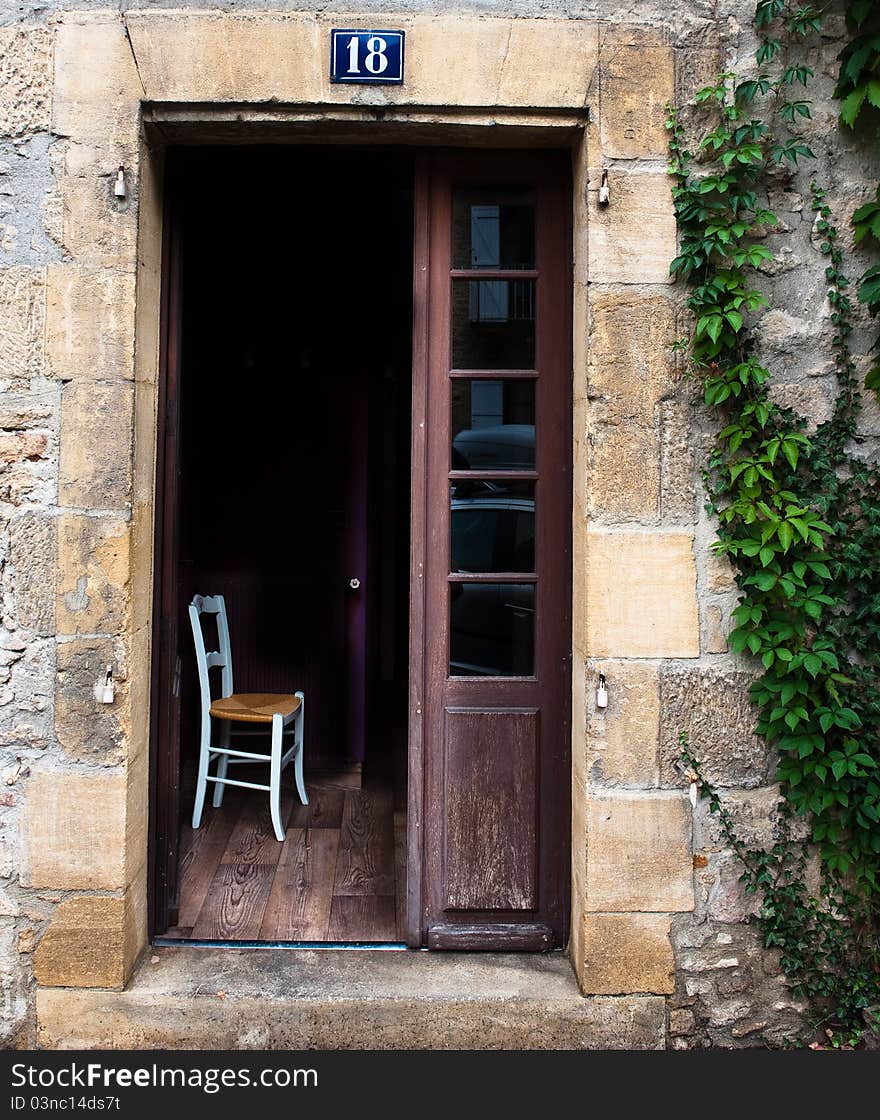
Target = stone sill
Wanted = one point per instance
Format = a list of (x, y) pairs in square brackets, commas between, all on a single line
[(241, 999)]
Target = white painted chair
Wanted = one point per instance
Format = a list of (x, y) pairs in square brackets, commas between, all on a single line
[(282, 714)]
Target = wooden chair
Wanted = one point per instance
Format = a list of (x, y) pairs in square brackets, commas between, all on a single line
[(281, 714)]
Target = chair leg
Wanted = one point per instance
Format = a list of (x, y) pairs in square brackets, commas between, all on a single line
[(298, 757), (275, 776), (201, 783), (222, 763)]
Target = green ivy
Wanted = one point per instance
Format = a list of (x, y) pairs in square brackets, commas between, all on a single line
[(858, 88), (826, 941), (798, 516)]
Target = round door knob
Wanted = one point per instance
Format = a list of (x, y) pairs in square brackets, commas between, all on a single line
[(354, 584)]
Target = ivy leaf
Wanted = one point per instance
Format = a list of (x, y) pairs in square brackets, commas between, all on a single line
[(766, 555), (785, 534), (852, 104), (812, 664), (858, 11), (869, 291), (790, 451)]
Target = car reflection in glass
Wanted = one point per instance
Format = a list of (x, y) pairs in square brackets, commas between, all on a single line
[(493, 530)]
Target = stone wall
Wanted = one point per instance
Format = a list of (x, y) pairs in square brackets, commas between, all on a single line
[(657, 906)]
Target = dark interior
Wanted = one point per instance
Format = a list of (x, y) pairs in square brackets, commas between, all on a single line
[(295, 436)]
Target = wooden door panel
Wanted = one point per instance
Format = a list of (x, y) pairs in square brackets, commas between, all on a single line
[(491, 809), (491, 678)]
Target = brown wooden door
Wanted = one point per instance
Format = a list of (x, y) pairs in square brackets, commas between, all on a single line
[(164, 807), (490, 688)]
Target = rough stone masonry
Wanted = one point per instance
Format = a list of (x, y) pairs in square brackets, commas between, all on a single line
[(658, 911)]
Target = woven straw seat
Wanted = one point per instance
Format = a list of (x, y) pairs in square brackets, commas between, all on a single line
[(254, 707)]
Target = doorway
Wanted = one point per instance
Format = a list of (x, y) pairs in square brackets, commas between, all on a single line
[(365, 448), (292, 501)]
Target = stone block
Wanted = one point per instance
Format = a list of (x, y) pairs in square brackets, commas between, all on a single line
[(73, 831), (137, 796), (639, 853), (721, 897), (637, 83), (19, 412), (631, 367), (582, 699), (712, 706), (32, 554), (89, 323), (641, 595), (88, 730), (633, 240), (214, 57), (622, 742), (719, 571), (754, 813), (96, 445), (812, 399), (452, 59), (25, 86), (627, 954), (18, 447), (678, 485), (84, 946), (97, 88), (715, 622), (695, 68), (681, 1021), (623, 472), (22, 322), (93, 575), (98, 229), (869, 417)]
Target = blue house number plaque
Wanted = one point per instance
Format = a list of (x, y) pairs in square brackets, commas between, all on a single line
[(374, 57)]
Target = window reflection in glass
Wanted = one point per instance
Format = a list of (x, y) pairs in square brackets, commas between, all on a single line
[(493, 526), (493, 324), (493, 228), (492, 629), (493, 425)]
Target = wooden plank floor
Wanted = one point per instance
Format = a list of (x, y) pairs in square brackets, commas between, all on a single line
[(338, 876)]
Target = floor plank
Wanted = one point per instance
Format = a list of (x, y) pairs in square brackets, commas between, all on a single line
[(400, 874), (236, 900), (298, 908), (366, 844), (204, 849), (349, 778), (336, 876), (367, 917), (324, 809)]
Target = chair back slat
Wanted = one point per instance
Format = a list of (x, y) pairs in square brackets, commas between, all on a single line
[(222, 658)]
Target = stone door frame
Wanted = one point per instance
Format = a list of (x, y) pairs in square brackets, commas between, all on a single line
[(125, 87)]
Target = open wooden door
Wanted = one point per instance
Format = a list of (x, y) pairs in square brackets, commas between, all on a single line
[(491, 553), (165, 691)]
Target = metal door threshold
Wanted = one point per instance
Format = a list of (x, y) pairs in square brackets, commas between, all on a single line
[(351, 946)]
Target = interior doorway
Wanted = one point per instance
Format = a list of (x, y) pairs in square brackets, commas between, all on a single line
[(294, 348)]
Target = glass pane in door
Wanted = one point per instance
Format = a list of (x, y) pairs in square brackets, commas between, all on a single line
[(493, 324), (493, 424), (492, 526), (493, 227), (491, 629)]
